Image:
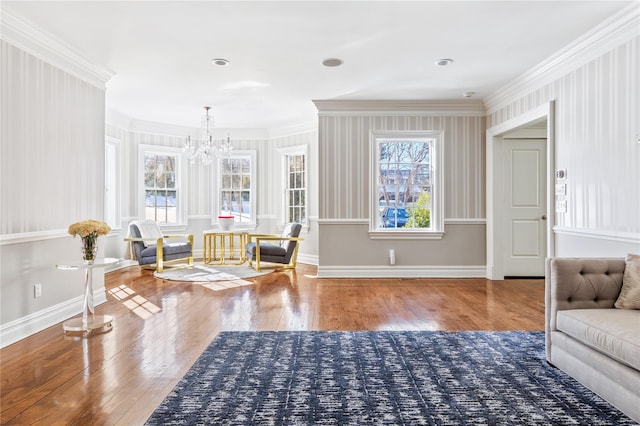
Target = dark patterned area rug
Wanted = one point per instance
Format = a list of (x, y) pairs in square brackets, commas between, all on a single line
[(373, 378)]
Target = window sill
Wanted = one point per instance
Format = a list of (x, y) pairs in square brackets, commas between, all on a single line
[(405, 235)]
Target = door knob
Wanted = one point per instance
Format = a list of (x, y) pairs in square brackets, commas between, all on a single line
[(544, 217)]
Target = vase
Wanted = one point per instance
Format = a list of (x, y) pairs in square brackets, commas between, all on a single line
[(226, 223), (89, 248)]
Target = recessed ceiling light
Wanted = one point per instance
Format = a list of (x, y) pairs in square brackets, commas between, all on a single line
[(221, 62), (443, 62), (332, 62)]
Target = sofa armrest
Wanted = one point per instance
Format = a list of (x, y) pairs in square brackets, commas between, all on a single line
[(572, 283)]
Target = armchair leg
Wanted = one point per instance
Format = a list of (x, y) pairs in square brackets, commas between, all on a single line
[(159, 257), (190, 260)]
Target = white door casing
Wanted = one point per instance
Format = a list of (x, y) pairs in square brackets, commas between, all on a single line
[(494, 182), (525, 207)]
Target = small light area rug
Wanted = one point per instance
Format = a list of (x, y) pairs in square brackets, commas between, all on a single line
[(215, 277), (374, 378)]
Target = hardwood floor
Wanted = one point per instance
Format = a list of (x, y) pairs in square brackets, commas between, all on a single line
[(161, 327)]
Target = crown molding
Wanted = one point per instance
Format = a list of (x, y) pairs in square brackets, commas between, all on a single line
[(25, 35), (142, 126), (614, 31), (293, 130), (341, 107)]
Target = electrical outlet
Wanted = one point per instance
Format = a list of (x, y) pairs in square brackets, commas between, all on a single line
[(37, 290)]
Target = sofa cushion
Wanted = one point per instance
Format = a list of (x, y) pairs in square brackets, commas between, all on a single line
[(615, 332), (629, 297)]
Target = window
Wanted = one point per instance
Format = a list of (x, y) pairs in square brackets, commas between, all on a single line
[(407, 185), (112, 182), (236, 183), (161, 184), (295, 184)]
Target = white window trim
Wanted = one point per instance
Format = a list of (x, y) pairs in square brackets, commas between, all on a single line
[(110, 141), (437, 184), (290, 151), (217, 177), (181, 179)]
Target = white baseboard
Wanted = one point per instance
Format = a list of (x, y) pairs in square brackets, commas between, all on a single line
[(453, 271), (308, 259), (14, 331)]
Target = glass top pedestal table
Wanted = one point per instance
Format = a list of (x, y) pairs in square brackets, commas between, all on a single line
[(88, 321), (219, 247)]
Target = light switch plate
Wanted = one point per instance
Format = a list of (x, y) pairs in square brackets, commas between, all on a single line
[(561, 206)]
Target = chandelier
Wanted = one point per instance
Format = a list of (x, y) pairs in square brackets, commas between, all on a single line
[(207, 149)]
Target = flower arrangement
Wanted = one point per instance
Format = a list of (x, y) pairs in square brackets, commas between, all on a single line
[(87, 227), (89, 231)]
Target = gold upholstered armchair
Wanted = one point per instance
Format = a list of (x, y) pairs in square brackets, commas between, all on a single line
[(279, 251), (150, 247)]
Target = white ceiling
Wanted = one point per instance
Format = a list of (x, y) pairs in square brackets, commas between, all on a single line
[(161, 51)]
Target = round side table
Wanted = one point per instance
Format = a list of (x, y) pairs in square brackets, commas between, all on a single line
[(88, 321)]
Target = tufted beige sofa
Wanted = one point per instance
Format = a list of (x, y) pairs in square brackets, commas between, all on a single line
[(586, 336)]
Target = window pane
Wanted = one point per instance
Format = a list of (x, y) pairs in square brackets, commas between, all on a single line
[(403, 183), (236, 189), (295, 190), (161, 196), (171, 180)]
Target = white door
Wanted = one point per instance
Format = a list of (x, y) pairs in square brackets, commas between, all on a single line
[(525, 237)]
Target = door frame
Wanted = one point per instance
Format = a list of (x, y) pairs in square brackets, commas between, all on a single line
[(495, 187)]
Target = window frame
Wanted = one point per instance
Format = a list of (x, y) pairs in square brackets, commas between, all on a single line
[(285, 153), (217, 189), (436, 180), (113, 143), (180, 186)]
